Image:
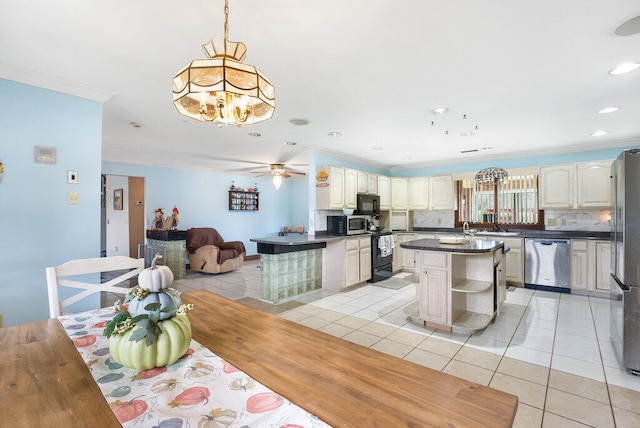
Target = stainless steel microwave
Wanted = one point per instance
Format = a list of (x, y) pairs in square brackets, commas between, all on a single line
[(368, 204), (343, 225)]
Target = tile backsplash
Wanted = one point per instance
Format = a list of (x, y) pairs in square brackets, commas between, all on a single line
[(597, 220)]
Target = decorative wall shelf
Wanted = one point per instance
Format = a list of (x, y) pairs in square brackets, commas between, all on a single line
[(243, 200)]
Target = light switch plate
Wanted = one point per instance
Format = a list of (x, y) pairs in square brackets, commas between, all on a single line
[(73, 198), (72, 177)]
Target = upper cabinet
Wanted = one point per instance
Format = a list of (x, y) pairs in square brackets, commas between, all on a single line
[(399, 193), (594, 184), (442, 194), (582, 185), (418, 193), (384, 190), (350, 188), (330, 186), (557, 188), (367, 183)]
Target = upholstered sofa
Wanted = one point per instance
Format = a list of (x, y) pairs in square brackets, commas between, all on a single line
[(209, 253)]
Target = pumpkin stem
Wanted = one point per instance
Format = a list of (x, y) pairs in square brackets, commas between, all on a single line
[(155, 258)]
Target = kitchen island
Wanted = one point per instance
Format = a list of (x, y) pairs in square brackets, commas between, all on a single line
[(462, 284)]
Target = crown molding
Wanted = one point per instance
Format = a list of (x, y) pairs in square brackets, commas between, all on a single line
[(40, 80)]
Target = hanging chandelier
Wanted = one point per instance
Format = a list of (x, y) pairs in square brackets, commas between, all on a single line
[(222, 89), (491, 175)]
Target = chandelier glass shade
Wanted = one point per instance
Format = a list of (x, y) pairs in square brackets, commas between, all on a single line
[(222, 89)]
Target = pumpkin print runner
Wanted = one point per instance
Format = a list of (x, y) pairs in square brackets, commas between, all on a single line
[(199, 390)]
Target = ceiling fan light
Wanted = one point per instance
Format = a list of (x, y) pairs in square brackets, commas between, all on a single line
[(277, 181)]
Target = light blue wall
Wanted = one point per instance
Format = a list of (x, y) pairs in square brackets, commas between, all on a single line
[(582, 156), (202, 198), (39, 227)]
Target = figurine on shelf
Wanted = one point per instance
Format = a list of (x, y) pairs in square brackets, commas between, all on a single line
[(158, 221), (175, 219), (233, 186)]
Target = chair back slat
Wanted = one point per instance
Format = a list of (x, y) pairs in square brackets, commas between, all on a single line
[(58, 276)]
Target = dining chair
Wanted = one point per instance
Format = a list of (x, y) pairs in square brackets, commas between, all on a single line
[(61, 276)]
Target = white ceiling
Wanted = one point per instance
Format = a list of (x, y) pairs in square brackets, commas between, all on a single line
[(531, 75)]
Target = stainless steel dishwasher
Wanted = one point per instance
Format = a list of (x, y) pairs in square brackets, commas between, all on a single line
[(547, 264)]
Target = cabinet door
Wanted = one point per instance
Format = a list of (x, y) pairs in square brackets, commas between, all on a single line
[(501, 280), (418, 193), (351, 188), (363, 183), (372, 184), (365, 263), (514, 266), (434, 293), (336, 187), (352, 269), (603, 266), (384, 190), (594, 184), (579, 270), (399, 188), (557, 186), (442, 195)]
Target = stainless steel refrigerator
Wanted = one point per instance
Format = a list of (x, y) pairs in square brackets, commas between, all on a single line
[(625, 259)]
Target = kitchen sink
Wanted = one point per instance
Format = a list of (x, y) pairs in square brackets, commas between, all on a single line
[(487, 232)]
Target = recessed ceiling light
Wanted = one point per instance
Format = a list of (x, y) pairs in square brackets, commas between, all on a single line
[(440, 110), (255, 134), (291, 143), (334, 134), (136, 124), (299, 122), (467, 134), (627, 67), (609, 110), (599, 133)]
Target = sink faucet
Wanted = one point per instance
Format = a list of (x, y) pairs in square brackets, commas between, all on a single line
[(465, 227), (496, 228)]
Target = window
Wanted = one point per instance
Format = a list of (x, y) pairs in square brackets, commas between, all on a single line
[(512, 202)]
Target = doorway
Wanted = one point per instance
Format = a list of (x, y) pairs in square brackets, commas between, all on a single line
[(123, 217)]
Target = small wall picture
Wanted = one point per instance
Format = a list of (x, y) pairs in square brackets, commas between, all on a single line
[(117, 199)]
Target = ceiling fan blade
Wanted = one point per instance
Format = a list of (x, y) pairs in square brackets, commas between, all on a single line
[(295, 172), (263, 174)]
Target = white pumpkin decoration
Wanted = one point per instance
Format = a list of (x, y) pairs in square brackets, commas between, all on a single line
[(156, 278)]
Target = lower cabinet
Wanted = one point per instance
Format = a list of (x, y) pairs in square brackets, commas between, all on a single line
[(357, 260), (434, 295), (590, 266), (514, 274), (403, 258)]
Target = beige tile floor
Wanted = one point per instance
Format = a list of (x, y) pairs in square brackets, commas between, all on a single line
[(551, 350)]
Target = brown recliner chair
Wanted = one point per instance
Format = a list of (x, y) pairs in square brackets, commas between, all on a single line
[(209, 253)]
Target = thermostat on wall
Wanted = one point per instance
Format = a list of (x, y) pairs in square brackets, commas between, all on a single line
[(46, 155)]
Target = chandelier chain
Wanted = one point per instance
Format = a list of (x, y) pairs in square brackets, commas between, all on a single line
[(226, 19)]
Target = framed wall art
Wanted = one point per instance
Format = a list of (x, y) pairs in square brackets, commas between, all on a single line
[(117, 199)]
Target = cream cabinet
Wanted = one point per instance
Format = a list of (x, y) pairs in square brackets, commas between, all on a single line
[(557, 186), (372, 183), (590, 266), (594, 184), (399, 193), (442, 194), (603, 266), (419, 193), (403, 258), (357, 260), (514, 261), (458, 289), (350, 188), (330, 194), (384, 191)]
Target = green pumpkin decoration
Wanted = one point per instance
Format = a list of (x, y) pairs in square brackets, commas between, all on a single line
[(154, 314), (171, 343)]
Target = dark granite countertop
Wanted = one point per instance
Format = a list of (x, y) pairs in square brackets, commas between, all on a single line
[(527, 233), (474, 246), (303, 239)]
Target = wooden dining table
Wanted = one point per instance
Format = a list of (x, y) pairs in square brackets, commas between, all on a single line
[(44, 381)]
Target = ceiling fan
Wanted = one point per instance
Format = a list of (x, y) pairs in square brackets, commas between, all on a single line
[(278, 171)]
